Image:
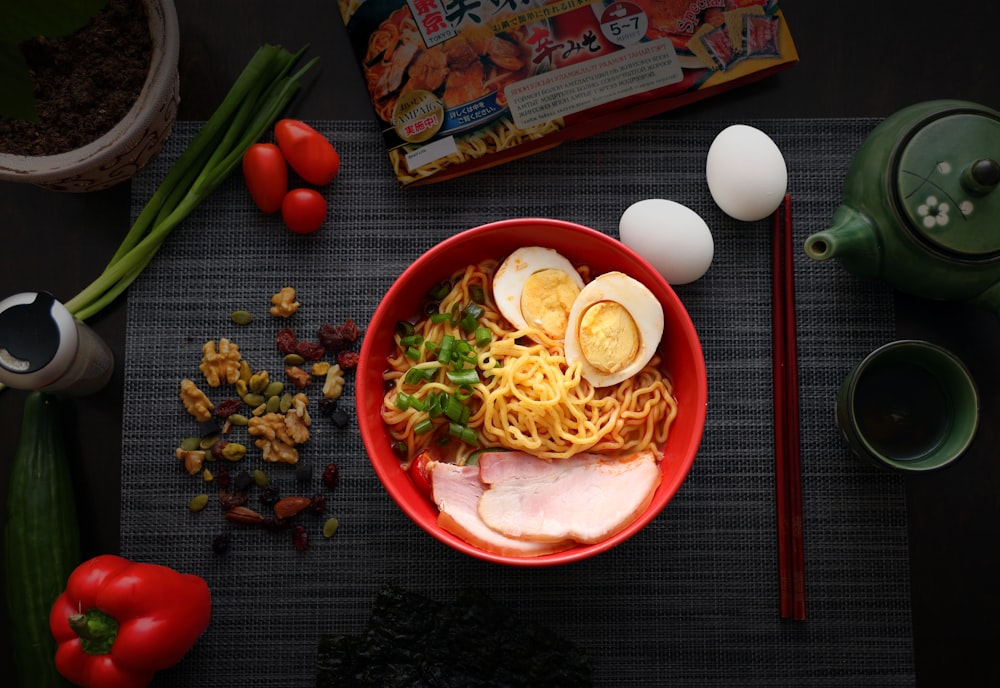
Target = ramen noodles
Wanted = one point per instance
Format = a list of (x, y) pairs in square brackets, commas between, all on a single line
[(510, 388)]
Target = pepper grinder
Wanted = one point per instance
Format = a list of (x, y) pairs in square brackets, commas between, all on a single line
[(43, 347)]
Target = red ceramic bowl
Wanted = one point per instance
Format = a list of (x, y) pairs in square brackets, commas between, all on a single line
[(680, 347)]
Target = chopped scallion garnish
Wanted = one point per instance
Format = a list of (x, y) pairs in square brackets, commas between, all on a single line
[(464, 433), (483, 336), (454, 409), (477, 294), (447, 345), (466, 376), (439, 290), (415, 376)]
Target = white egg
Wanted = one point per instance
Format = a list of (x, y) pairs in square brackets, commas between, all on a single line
[(746, 173), (614, 329), (535, 287), (671, 237)]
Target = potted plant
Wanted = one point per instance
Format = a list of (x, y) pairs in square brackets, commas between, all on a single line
[(123, 150)]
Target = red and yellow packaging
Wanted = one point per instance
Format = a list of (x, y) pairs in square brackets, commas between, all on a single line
[(460, 85)]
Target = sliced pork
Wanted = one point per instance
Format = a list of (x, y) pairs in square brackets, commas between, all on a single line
[(457, 491), (586, 498)]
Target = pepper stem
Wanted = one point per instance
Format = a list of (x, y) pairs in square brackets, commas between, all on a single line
[(97, 631)]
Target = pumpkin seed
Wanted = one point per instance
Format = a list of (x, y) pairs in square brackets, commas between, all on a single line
[(330, 527), (259, 381), (274, 389), (273, 404), (241, 317), (238, 419), (254, 399), (294, 360), (198, 503), (260, 477), (207, 441), (190, 444), (285, 403), (245, 371)]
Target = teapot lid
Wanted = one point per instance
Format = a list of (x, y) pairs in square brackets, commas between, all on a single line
[(948, 179)]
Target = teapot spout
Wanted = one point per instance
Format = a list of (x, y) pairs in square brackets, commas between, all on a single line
[(852, 238)]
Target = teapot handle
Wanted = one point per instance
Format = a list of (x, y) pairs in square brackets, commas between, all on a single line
[(990, 299)]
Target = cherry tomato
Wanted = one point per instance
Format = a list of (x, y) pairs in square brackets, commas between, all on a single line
[(266, 174), (303, 210), (419, 474), (309, 153)]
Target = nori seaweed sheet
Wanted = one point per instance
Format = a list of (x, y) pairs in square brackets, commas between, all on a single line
[(412, 641)]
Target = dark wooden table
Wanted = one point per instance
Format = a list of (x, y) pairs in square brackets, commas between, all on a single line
[(856, 61)]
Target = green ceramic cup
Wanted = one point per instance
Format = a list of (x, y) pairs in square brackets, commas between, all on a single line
[(908, 406)]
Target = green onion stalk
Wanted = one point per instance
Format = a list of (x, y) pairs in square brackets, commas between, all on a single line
[(261, 93), (254, 103)]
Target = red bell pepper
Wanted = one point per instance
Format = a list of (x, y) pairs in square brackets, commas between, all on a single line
[(120, 622)]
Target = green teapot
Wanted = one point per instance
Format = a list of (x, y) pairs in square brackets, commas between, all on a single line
[(921, 205)]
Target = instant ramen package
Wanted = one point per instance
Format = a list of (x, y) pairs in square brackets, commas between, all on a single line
[(460, 85)]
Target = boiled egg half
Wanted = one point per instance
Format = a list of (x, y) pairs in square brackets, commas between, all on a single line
[(614, 328), (536, 287)]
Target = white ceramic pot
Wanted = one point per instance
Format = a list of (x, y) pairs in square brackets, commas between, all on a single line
[(130, 144)]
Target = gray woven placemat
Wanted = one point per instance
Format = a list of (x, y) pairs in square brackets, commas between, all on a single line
[(690, 601)]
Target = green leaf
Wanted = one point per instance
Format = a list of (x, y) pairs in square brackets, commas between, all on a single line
[(26, 19), (17, 92)]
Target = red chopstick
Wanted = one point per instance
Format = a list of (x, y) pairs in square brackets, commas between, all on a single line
[(788, 470)]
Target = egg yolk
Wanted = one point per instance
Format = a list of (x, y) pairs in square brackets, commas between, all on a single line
[(609, 338), (546, 300)]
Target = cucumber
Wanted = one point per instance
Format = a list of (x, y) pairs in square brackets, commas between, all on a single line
[(41, 540)]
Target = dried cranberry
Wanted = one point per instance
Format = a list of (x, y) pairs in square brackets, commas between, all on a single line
[(227, 408), (216, 449), (220, 544), (331, 476), (229, 500), (338, 337), (222, 477), (317, 504), (348, 359), (327, 407), (286, 341), (311, 351), (300, 538)]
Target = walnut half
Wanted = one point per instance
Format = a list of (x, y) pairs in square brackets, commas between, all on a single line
[(284, 303), (195, 402), (274, 440), (222, 365)]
